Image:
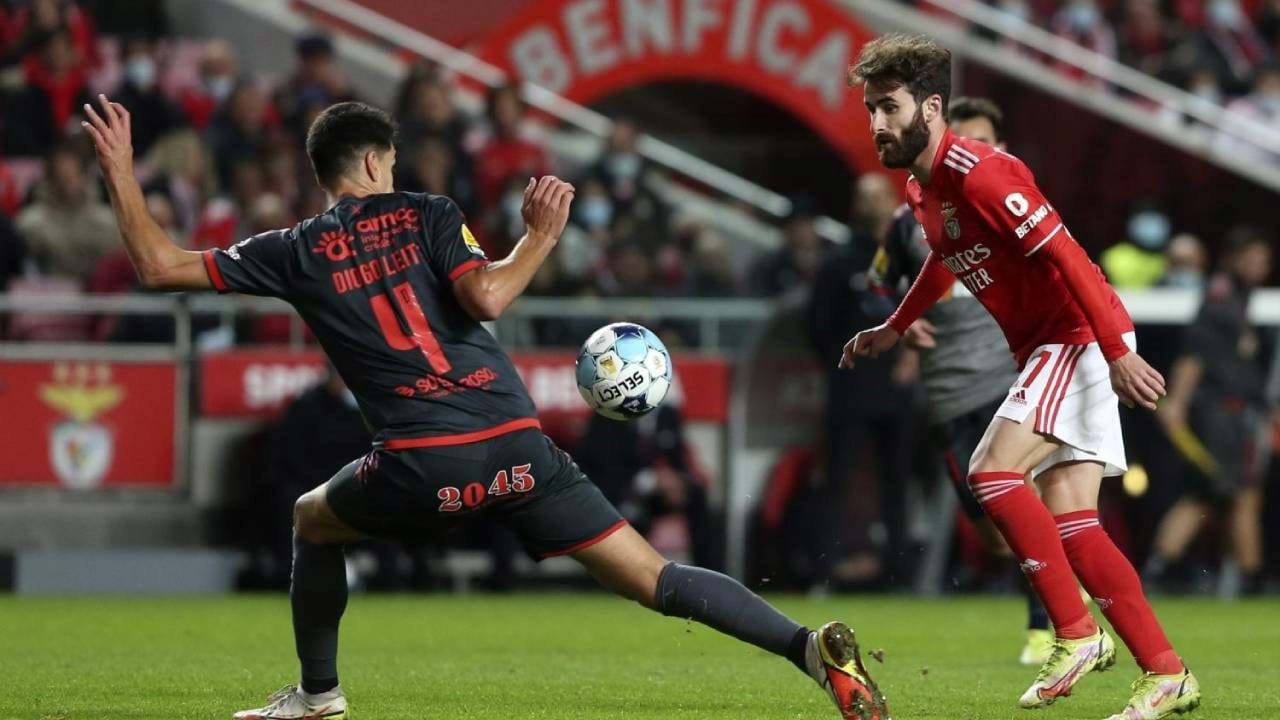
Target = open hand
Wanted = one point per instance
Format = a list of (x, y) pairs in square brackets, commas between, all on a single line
[(1136, 382), (868, 343), (546, 206), (112, 136)]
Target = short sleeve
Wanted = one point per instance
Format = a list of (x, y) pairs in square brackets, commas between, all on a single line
[(258, 265), (1003, 192), (452, 250)]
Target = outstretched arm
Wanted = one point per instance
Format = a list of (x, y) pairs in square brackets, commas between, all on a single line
[(159, 262), (931, 284), (487, 291)]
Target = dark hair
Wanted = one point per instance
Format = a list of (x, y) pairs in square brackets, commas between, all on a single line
[(913, 61), (969, 108), (1243, 237), (342, 133)]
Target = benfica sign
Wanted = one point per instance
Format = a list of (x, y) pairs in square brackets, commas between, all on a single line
[(795, 53)]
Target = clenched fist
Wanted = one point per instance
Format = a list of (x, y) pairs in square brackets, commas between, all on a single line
[(546, 206)]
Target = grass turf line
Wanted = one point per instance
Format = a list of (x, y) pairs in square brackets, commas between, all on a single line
[(577, 656)]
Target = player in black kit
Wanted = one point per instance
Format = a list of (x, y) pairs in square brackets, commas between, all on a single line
[(394, 287)]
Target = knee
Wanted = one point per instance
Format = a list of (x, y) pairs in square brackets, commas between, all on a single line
[(306, 519)]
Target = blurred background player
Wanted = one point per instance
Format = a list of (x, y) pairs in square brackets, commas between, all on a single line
[(988, 225), (1218, 415), (965, 364)]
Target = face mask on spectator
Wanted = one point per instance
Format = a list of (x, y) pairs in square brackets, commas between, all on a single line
[(1208, 92), (1016, 9), (624, 165), (596, 213), (141, 72), (1082, 17), (1226, 13), (219, 86), (1183, 278), (1149, 229)]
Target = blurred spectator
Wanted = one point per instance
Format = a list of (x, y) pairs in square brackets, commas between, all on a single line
[(867, 425), (183, 172), (218, 72), (630, 271), (623, 172), (1261, 105), (1081, 22), (242, 129), (42, 112), (647, 469), (67, 228), (425, 110), (874, 200), (224, 219), (1227, 45), (317, 81), (506, 157), (13, 252), (1139, 261), (711, 269), (30, 26), (10, 199), (1187, 262), (317, 434), (1217, 414), (1269, 25), (433, 166), (1145, 36), (151, 113), (121, 17), (795, 264)]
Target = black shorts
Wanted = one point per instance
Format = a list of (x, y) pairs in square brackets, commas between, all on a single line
[(957, 438), (1236, 437), (521, 479)]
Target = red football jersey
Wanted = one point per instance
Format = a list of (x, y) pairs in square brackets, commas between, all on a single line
[(986, 220)]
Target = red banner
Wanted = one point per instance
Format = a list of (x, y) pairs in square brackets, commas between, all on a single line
[(257, 383), (795, 53), (86, 425)]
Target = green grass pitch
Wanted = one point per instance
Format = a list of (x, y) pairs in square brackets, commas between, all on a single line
[(577, 656)]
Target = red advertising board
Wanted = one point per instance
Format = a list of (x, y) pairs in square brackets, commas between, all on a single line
[(257, 383), (86, 425)]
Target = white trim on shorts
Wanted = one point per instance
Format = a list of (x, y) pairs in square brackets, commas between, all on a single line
[(1071, 387)]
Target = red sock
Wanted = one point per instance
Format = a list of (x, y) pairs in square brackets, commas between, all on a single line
[(1028, 527), (1109, 577)]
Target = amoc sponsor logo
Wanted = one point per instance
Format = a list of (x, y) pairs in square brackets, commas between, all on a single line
[(388, 220)]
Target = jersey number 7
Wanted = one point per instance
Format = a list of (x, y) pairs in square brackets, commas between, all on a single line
[(420, 335)]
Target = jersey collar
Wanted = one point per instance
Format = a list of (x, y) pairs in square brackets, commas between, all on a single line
[(948, 139)]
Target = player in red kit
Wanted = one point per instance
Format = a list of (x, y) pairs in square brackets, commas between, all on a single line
[(988, 225)]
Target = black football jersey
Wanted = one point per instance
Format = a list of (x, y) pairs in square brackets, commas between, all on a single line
[(372, 277)]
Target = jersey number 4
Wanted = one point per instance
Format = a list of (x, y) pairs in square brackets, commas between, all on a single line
[(419, 335)]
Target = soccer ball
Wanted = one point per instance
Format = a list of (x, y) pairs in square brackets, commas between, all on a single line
[(624, 371)]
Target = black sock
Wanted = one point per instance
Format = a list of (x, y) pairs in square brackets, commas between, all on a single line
[(318, 596), (722, 603), (1037, 616)]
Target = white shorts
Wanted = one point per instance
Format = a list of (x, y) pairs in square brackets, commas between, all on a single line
[(1071, 386)]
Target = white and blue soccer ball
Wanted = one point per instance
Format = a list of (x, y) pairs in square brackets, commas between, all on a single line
[(624, 371)]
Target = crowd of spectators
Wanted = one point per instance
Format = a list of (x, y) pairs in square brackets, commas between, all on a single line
[(1226, 52), (220, 153)]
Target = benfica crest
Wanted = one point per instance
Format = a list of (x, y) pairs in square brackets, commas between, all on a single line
[(80, 449), (949, 221)]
